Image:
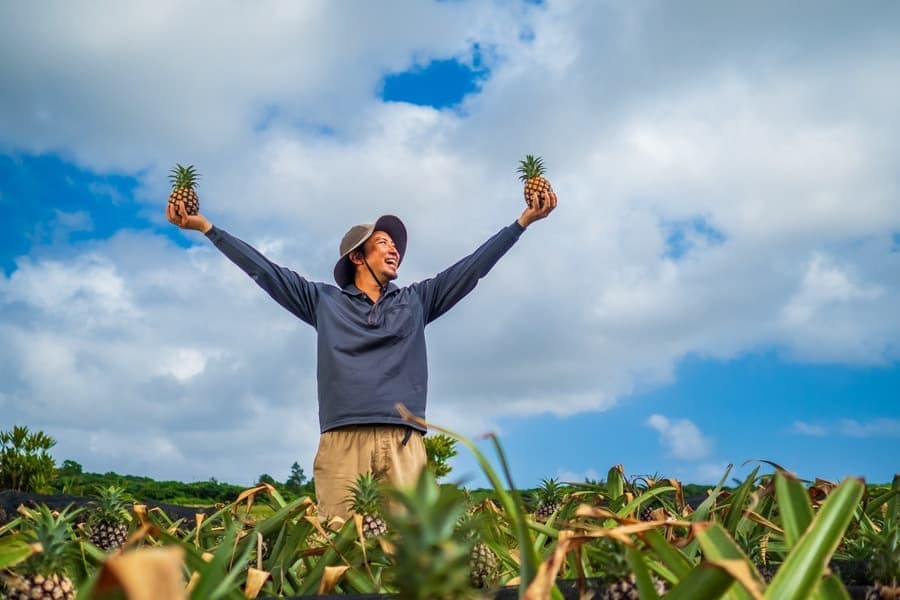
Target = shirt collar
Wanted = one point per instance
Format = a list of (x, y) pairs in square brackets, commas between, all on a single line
[(352, 290)]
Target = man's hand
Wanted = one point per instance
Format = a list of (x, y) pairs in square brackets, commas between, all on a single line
[(177, 215), (541, 206)]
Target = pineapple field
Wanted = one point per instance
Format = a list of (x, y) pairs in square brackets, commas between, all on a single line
[(770, 536)]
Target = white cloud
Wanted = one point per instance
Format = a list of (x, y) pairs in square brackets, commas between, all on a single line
[(681, 437), (813, 429), (880, 427), (580, 476), (183, 364), (876, 428)]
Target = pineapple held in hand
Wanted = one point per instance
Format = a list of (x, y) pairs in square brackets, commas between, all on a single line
[(531, 171), (184, 180)]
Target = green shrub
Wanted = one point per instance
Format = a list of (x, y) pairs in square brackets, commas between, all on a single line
[(25, 464)]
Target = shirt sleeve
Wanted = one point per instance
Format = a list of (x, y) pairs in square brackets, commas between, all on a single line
[(440, 293), (286, 287)]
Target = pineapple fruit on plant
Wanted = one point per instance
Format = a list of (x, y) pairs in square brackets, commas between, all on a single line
[(109, 518), (43, 576), (550, 496), (484, 566), (365, 500), (619, 582), (531, 173), (184, 180)]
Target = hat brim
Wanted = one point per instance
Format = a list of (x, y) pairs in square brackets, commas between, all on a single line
[(345, 270)]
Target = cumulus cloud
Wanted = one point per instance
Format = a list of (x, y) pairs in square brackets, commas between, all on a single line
[(647, 114), (873, 428), (681, 437), (805, 428), (580, 476)]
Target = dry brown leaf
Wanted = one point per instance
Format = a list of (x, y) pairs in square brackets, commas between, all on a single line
[(144, 574), (141, 533), (585, 510), (542, 584), (679, 493), (249, 495), (140, 511), (387, 546), (754, 516), (256, 578), (198, 520), (740, 570), (330, 578)]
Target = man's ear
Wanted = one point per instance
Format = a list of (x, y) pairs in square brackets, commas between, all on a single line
[(356, 257)]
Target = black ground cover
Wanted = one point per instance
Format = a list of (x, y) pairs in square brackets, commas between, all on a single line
[(10, 500)]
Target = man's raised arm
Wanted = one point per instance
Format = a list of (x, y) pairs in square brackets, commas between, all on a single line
[(440, 293), (286, 287)]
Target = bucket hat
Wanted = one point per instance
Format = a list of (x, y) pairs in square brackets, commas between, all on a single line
[(356, 236)]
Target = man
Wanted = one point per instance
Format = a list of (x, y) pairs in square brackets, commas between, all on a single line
[(370, 343)]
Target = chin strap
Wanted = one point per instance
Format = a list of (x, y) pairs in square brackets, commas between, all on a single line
[(381, 286)]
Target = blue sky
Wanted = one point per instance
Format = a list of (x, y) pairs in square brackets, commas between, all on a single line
[(719, 283)]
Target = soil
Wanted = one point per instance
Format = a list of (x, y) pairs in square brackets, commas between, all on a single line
[(10, 500)]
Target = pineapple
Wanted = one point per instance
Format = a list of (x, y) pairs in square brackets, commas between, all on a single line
[(365, 500), (43, 575), (621, 584), (532, 173), (184, 179), (109, 520), (627, 589), (484, 568), (550, 496)]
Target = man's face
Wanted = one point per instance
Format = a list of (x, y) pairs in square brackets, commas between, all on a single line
[(382, 255)]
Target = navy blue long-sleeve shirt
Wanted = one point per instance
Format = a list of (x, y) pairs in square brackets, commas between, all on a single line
[(370, 355)]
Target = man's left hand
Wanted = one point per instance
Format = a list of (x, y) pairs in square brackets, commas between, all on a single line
[(541, 206)]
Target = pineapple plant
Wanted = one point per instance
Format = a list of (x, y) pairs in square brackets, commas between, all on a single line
[(365, 500), (531, 172), (184, 180), (549, 496), (433, 543), (43, 576), (109, 519)]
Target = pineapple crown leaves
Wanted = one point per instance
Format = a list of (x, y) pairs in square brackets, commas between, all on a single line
[(53, 534), (436, 511), (109, 506), (183, 177), (531, 167), (365, 495), (550, 491)]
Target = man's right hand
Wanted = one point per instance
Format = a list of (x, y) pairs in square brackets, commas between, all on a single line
[(177, 215)]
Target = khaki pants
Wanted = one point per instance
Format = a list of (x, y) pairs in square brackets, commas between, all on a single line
[(347, 452)]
